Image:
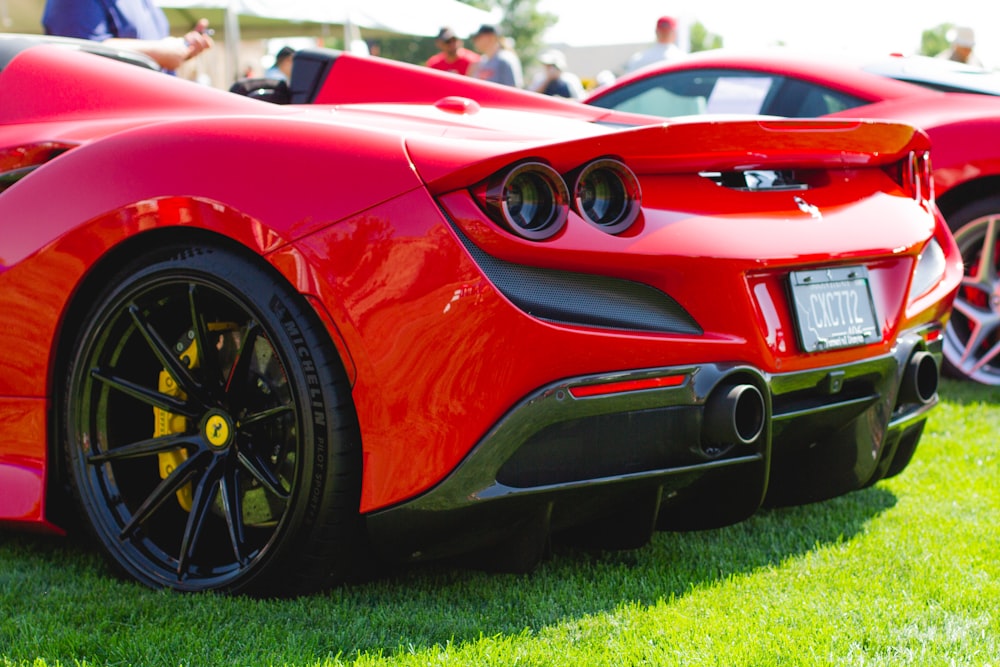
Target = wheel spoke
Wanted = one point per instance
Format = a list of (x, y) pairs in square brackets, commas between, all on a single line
[(209, 360), (976, 338), (181, 373), (965, 302), (265, 415), (146, 395), (257, 467), (142, 448), (986, 271), (966, 309), (987, 358), (181, 475), (232, 504), (241, 367), (204, 496)]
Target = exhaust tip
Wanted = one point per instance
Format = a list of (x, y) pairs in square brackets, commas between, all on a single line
[(920, 379), (734, 415)]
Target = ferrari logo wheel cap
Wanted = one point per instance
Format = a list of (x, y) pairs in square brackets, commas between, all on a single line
[(218, 430)]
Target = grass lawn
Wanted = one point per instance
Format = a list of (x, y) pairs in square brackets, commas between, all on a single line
[(904, 573)]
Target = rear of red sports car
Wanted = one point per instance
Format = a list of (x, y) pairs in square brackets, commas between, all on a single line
[(442, 326)]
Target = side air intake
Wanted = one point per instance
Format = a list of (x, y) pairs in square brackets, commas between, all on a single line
[(582, 298)]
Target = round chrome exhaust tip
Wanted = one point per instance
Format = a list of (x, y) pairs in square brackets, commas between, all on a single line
[(734, 415), (920, 379)]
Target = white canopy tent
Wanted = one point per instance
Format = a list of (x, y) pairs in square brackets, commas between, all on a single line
[(259, 18), (406, 17), (235, 20)]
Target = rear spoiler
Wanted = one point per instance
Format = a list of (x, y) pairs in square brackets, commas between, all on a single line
[(693, 145)]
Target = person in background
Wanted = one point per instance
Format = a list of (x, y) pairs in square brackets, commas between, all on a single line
[(665, 47), (282, 68), (555, 79), (604, 78), (453, 56), (962, 40), (496, 62), (134, 25)]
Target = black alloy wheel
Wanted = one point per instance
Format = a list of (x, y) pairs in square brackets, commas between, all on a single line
[(972, 337), (209, 431)]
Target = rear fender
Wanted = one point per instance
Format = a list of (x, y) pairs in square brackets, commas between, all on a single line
[(290, 173)]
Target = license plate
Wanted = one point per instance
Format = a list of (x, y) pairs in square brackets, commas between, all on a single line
[(834, 309)]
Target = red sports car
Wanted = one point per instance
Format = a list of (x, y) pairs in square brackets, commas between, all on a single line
[(964, 131), (412, 315)]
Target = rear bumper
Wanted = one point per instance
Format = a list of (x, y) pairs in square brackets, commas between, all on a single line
[(580, 450)]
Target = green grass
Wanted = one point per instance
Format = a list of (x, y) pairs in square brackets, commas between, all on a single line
[(904, 573)]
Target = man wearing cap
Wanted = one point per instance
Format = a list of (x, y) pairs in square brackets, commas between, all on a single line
[(962, 40), (453, 57), (665, 47), (496, 62)]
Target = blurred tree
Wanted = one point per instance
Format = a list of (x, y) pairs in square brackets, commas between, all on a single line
[(409, 49), (935, 40), (524, 24), (702, 39)]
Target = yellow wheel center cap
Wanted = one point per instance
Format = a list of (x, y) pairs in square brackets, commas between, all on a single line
[(218, 431)]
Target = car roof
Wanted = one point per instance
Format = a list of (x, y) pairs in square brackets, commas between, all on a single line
[(937, 73), (834, 71)]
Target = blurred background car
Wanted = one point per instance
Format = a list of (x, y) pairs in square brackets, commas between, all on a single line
[(936, 73)]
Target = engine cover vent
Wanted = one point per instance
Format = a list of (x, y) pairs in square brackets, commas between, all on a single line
[(754, 180)]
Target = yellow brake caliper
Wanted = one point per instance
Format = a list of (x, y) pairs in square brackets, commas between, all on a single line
[(167, 423)]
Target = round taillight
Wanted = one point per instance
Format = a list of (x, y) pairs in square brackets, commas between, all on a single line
[(607, 195), (531, 199)]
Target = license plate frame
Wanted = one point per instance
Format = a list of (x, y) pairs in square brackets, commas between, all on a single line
[(834, 308)]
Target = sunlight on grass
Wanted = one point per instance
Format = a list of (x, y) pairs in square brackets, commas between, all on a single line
[(903, 573)]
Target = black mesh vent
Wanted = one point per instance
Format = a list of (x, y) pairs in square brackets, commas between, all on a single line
[(583, 298)]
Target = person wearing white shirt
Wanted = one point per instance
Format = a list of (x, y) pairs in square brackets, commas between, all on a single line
[(664, 49)]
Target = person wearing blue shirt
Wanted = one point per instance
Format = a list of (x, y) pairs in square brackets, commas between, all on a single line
[(496, 62), (282, 69), (135, 25)]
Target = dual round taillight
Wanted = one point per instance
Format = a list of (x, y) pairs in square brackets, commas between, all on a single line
[(532, 199)]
